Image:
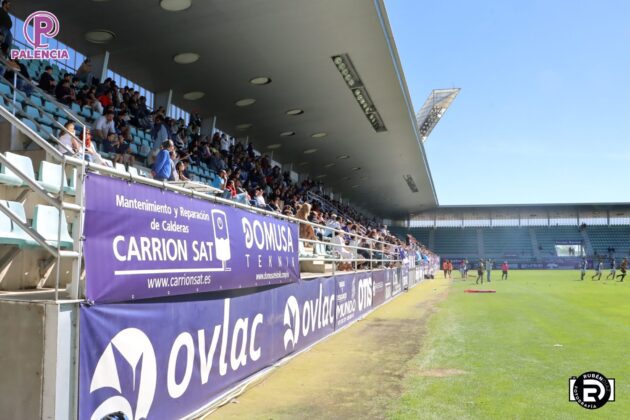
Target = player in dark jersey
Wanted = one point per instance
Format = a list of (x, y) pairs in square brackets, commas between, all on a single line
[(613, 269), (623, 267), (480, 272), (598, 270)]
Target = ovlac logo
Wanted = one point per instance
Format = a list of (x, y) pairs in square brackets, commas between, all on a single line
[(135, 348), (314, 315), (38, 28)]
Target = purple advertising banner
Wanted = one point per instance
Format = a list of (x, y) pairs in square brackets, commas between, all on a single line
[(305, 312), (404, 277), (142, 242), (354, 297), (169, 359), (378, 287), (389, 275), (396, 276)]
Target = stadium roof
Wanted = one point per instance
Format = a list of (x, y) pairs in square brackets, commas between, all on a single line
[(433, 110), (293, 42)]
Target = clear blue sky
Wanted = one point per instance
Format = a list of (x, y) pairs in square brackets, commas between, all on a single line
[(544, 111)]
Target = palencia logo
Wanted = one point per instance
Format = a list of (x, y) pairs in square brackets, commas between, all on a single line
[(591, 390), (314, 314), (236, 342), (136, 349)]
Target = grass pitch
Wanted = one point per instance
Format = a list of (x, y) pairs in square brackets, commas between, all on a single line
[(511, 354)]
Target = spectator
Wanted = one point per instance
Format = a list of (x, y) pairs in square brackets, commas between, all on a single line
[(68, 145), (47, 82), (306, 230), (5, 27), (159, 134), (181, 171), (162, 166), (259, 198), (63, 92), (104, 126), (84, 73)]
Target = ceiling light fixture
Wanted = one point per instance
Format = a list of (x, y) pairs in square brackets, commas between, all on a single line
[(295, 111), (260, 81), (358, 168), (245, 102), (411, 183), (244, 126), (175, 5), (274, 146), (193, 96), (343, 157), (287, 133), (319, 135), (329, 165), (310, 151), (359, 91), (186, 58), (355, 186), (320, 176), (303, 164), (99, 36)]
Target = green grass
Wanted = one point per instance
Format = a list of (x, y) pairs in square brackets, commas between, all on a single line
[(505, 344)]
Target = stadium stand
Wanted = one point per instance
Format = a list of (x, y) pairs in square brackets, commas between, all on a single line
[(456, 241), (604, 237), (499, 242)]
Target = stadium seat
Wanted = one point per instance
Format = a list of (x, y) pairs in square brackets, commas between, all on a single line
[(70, 189), (45, 119), (23, 163), (133, 171), (5, 89), (46, 223), (86, 112), (10, 232), (51, 177)]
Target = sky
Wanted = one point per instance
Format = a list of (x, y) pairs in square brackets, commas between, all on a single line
[(544, 111)]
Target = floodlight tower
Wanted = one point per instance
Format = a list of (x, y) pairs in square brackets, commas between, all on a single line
[(433, 109)]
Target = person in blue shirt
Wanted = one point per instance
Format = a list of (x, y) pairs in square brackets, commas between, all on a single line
[(162, 169)]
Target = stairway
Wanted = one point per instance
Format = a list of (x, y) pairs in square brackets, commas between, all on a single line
[(480, 248), (588, 247), (534, 240)]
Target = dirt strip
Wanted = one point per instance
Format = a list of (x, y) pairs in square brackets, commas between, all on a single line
[(354, 374)]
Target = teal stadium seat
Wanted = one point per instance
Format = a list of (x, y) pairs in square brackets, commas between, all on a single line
[(23, 163), (46, 223), (10, 232), (51, 177)]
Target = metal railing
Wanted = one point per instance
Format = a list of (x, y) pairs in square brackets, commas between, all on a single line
[(374, 252)]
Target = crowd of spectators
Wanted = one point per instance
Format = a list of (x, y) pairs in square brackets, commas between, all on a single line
[(243, 174)]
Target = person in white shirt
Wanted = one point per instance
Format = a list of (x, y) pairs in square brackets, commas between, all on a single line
[(225, 144), (259, 198), (344, 253), (68, 145), (104, 126)]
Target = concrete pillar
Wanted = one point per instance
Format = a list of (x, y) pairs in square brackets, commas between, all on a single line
[(163, 99), (208, 125), (100, 64)]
